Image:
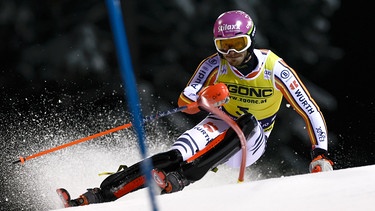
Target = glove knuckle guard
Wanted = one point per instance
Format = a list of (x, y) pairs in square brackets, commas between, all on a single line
[(216, 94), (320, 166)]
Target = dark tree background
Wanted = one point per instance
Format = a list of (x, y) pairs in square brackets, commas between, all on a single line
[(58, 59)]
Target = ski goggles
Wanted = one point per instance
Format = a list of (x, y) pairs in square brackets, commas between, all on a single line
[(238, 44)]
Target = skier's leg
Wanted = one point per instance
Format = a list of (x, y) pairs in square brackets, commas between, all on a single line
[(201, 158), (132, 179), (255, 145), (227, 146), (209, 148), (173, 170), (127, 180)]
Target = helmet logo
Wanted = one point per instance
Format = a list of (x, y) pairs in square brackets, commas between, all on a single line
[(228, 27)]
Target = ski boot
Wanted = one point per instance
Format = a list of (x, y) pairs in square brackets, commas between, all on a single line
[(169, 182), (65, 198), (90, 197)]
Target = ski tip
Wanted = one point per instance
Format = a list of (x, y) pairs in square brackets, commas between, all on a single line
[(64, 196), (63, 191), (59, 190)]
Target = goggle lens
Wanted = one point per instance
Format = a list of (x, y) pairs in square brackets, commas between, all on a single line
[(238, 44)]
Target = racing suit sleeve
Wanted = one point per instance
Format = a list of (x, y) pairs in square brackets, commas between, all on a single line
[(204, 75), (295, 92)]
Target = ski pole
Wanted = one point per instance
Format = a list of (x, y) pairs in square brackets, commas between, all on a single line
[(145, 119)]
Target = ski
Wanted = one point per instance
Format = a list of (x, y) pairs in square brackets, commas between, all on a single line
[(64, 196)]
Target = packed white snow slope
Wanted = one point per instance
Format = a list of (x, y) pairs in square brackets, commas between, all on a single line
[(345, 189)]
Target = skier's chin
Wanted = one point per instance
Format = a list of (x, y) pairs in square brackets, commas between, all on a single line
[(235, 61)]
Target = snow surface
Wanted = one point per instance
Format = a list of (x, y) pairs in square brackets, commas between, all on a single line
[(345, 189)]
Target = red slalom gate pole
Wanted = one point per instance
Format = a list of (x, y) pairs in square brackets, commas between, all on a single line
[(203, 102)]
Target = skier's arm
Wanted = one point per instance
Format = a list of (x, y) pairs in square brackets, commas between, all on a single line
[(188, 97), (299, 97), (204, 75)]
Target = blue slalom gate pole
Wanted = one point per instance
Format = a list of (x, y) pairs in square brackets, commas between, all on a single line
[(124, 59)]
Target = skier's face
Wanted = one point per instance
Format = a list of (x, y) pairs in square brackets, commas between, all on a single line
[(234, 58)]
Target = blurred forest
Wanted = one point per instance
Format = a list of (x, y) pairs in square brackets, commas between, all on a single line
[(59, 57)]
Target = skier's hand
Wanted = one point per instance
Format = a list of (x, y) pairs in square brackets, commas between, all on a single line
[(216, 95), (320, 161)]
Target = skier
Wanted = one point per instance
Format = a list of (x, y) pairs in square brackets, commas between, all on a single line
[(254, 81)]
